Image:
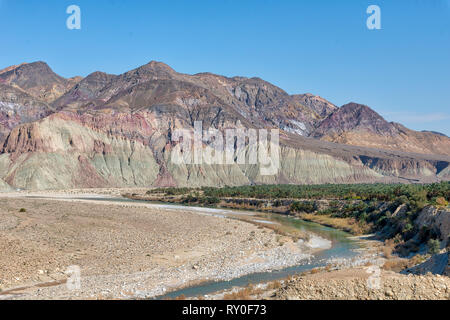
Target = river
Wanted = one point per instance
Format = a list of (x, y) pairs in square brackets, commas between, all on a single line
[(344, 246)]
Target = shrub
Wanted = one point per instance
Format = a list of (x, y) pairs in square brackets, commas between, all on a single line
[(23, 210), (388, 248), (210, 200), (298, 206), (243, 294), (434, 246), (396, 265), (441, 201), (408, 227), (274, 285), (277, 203), (363, 217)]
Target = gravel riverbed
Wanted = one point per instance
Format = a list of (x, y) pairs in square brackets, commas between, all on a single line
[(127, 251)]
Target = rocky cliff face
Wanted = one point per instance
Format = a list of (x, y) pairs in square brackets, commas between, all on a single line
[(437, 220), (115, 131), (67, 150), (18, 107)]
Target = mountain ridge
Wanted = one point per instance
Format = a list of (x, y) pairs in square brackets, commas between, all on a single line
[(38, 80), (115, 130)]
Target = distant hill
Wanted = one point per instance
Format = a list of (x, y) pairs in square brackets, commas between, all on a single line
[(357, 124)]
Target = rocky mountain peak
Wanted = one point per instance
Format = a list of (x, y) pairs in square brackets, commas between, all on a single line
[(321, 106), (96, 78), (358, 109), (354, 117), (38, 79), (153, 68), (85, 90), (30, 74)]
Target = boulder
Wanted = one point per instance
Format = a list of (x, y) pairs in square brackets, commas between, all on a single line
[(436, 219)]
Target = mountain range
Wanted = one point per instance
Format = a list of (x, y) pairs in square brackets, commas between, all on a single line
[(109, 130)]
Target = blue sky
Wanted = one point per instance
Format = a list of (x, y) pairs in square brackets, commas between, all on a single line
[(321, 46)]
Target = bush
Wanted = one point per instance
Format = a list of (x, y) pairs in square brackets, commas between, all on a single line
[(170, 191), (308, 207), (189, 199), (434, 246), (396, 265), (441, 201), (210, 200), (363, 217), (23, 210), (408, 227), (277, 203)]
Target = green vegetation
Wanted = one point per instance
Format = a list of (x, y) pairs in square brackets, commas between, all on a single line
[(23, 210), (367, 192), (307, 206), (434, 246), (170, 191), (354, 202)]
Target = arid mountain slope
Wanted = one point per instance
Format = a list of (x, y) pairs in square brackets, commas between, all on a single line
[(66, 150), (261, 103), (321, 106), (84, 91), (11, 68), (357, 124), (17, 107), (116, 131), (38, 80)]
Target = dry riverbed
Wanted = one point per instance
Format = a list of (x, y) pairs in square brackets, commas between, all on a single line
[(126, 250)]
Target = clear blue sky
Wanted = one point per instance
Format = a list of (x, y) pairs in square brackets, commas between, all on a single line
[(317, 46)]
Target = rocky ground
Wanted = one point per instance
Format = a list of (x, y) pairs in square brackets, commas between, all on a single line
[(355, 284), (126, 250), (137, 250), (363, 277)]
